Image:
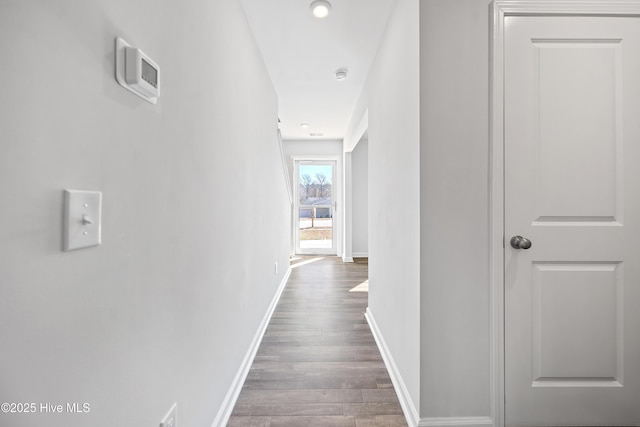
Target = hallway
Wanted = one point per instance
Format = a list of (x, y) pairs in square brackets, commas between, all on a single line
[(318, 364)]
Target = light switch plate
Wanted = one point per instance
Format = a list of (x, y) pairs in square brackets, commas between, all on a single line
[(171, 419), (82, 219)]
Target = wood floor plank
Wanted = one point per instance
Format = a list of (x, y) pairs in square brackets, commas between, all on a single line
[(273, 384), (241, 409), (338, 382), (381, 421), (372, 409), (300, 396), (314, 357), (384, 382), (327, 421), (287, 409), (248, 421), (380, 395), (318, 363)]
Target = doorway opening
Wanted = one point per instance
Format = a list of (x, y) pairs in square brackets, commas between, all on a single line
[(315, 206)]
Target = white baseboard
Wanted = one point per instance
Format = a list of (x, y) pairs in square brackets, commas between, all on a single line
[(408, 407), (347, 259), (360, 254), (222, 417), (456, 421)]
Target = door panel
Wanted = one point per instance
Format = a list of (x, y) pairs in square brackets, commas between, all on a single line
[(576, 328), (572, 114), (576, 147)]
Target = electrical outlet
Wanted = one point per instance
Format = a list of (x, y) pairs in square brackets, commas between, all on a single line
[(171, 419), (275, 270)]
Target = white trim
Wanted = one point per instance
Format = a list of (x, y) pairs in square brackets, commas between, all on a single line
[(285, 168), (361, 254), (287, 180), (502, 8), (456, 421), (408, 407), (496, 218), (566, 7), (347, 203), (348, 146), (222, 417)]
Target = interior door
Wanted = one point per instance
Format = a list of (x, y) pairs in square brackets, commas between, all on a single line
[(572, 192)]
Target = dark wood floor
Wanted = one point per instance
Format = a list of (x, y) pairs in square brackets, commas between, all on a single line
[(318, 364)]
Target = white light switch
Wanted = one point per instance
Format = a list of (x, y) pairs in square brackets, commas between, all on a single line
[(82, 219)]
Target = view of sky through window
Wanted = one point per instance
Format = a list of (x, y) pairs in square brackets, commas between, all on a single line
[(312, 170)]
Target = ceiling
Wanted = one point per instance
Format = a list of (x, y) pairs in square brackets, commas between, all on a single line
[(302, 54)]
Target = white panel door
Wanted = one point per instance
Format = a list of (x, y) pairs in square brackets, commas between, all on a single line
[(572, 187)]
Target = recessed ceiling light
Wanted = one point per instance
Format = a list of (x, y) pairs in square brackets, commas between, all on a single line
[(320, 8), (304, 125), (341, 74)]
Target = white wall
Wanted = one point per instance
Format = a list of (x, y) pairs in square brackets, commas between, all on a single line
[(391, 96), (360, 199), (165, 309), (428, 169), (454, 208)]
